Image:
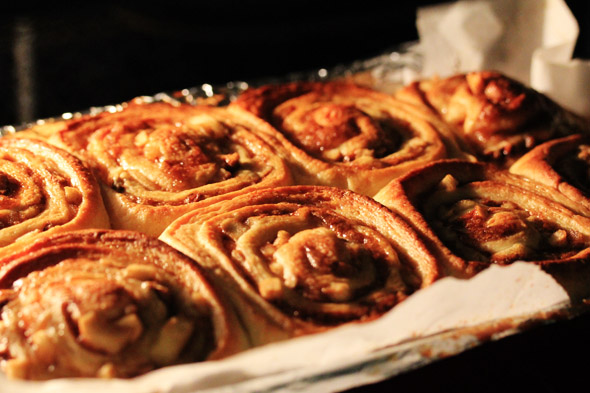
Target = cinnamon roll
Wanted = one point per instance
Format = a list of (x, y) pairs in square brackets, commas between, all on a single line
[(106, 303), (562, 164), (44, 190), (156, 161), (303, 259), (499, 118), (344, 135), (474, 215)]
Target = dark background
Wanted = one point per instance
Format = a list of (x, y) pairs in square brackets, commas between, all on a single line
[(104, 53), (94, 54)]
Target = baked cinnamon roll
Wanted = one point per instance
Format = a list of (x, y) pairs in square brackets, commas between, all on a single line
[(156, 161), (106, 303), (562, 164), (474, 215), (499, 118), (303, 259), (44, 190), (343, 135)]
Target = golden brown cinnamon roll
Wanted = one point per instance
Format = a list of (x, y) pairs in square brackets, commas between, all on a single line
[(302, 259), (107, 303), (473, 215), (343, 135), (44, 189), (562, 164), (498, 117), (156, 161)]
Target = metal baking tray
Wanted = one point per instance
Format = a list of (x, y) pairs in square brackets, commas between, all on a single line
[(350, 365)]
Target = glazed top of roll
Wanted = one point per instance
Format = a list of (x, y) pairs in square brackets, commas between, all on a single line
[(44, 189), (339, 126), (164, 154), (476, 214), (562, 164), (499, 117), (157, 160), (106, 304), (309, 256)]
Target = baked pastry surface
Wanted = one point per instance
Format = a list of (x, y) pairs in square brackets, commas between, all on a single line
[(348, 136), (298, 208), (106, 303), (303, 259), (156, 161), (495, 116), (474, 215), (562, 164), (44, 189)]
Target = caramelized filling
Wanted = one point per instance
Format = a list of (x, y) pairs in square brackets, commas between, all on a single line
[(481, 229), (325, 126), (160, 154), (336, 130), (499, 117), (24, 192), (575, 169), (315, 265), (99, 318), (170, 159), (8, 186)]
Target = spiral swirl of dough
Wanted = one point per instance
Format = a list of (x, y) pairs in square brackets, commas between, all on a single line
[(561, 164), (474, 215), (44, 189), (348, 136), (498, 118), (107, 303), (306, 257), (155, 161)]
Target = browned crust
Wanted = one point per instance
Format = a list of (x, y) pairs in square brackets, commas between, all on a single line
[(427, 137), (498, 117), (131, 203), (194, 234), (539, 166), (404, 194), (90, 211), (136, 248)]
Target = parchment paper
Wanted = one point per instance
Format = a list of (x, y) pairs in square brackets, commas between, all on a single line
[(530, 40), (354, 354)]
